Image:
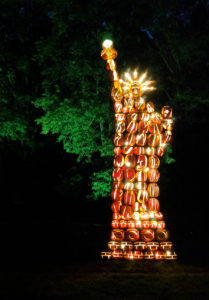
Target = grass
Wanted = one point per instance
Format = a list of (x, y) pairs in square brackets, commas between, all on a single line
[(107, 280)]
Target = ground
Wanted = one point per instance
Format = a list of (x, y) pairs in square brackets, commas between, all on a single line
[(60, 260), (106, 280)]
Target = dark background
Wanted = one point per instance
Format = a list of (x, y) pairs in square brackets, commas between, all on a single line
[(47, 211)]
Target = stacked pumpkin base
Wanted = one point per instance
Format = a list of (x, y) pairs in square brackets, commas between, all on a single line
[(137, 240), (139, 251)]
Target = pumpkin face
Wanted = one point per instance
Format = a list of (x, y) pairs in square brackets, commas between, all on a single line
[(150, 107), (126, 246), (118, 185), (117, 174), (160, 224), (120, 117), (167, 112), (115, 224), (106, 255), (141, 139), (129, 174), (138, 254), (115, 207), (117, 194), (130, 161), (123, 224), (117, 150), (143, 127), (170, 255), (153, 204), (140, 245), (118, 161), (153, 162), (120, 127), (166, 246), (160, 151), (119, 140), (132, 235), (132, 127), (159, 255), (129, 197), (113, 245), (153, 140), (126, 212), (117, 254), (149, 255), (153, 246), (142, 196), (118, 107), (147, 235), (141, 176), (129, 139), (142, 161), (153, 190), (153, 175), (117, 235), (132, 117), (131, 224), (162, 235)]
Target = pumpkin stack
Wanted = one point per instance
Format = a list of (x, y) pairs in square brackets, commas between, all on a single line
[(141, 135)]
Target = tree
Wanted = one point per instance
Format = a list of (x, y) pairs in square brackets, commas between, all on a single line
[(51, 70)]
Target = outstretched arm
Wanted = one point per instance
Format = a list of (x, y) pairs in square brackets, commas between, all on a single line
[(109, 54)]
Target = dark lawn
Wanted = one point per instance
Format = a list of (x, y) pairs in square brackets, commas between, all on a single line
[(110, 280), (48, 260)]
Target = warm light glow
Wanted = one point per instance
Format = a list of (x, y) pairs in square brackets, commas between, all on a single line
[(146, 88), (128, 76), (107, 44), (151, 214), (163, 145), (125, 83), (143, 86), (141, 134), (143, 76), (136, 216), (135, 74), (148, 82)]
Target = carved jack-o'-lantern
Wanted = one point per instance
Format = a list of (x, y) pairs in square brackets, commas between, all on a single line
[(141, 136)]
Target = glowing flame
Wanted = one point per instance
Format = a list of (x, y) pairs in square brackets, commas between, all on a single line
[(107, 44)]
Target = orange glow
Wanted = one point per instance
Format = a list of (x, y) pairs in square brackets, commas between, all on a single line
[(141, 136)]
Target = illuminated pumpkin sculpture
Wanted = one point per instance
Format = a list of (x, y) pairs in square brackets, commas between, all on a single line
[(141, 135)]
